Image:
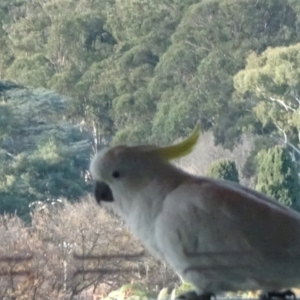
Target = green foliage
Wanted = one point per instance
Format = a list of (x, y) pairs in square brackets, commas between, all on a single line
[(277, 176), (272, 81), (185, 287), (43, 157), (146, 72), (224, 169), (134, 291), (261, 143), (208, 48), (35, 70)]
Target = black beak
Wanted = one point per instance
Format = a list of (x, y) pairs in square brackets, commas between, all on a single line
[(102, 192)]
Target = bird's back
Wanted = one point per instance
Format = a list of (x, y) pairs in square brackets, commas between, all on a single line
[(233, 237)]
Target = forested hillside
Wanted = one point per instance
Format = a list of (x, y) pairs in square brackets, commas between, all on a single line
[(43, 157), (138, 71)]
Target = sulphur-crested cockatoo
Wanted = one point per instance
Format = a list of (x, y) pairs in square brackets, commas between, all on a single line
[(218, 235)]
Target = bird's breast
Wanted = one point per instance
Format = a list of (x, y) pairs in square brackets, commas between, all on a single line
[(140, 215)]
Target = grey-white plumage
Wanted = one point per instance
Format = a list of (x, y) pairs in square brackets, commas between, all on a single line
[(218, 235)]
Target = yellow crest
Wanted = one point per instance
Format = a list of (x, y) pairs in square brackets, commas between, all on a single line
[(181, 149)]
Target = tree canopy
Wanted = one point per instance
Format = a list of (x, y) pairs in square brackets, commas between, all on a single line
[(43, 157), (224, 169), (141, 72), (145, 71), (277, 176)]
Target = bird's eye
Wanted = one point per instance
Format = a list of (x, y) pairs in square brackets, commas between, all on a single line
[(116, 174)]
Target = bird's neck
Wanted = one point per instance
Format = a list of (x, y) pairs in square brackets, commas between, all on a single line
[(140, 207)]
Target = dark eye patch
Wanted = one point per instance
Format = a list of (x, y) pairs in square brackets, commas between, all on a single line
[(115, 174), (102, 192)]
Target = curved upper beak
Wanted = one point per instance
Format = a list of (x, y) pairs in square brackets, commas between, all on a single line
[(102, 192)]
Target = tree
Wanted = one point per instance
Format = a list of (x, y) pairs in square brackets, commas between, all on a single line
[(145, 72), (271, 82), (58, 231), (72, 249), (210, 45), (43, 156), (33, 71), (224, 169), (277, 176)]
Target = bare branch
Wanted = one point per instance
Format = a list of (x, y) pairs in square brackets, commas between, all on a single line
[(284, 105), (109, 256)]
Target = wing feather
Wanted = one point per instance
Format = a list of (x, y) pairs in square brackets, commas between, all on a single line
[(213, 220), (267, 225)]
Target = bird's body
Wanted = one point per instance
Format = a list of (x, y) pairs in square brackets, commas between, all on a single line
[(218, 235)]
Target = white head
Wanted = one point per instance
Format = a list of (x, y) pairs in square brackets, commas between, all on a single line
[(125, 172)]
